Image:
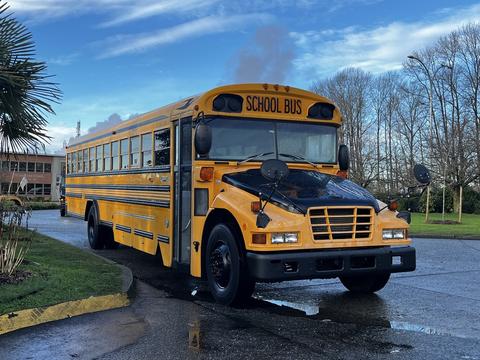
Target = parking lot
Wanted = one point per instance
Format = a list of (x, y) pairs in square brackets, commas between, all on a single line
[(431, 313)]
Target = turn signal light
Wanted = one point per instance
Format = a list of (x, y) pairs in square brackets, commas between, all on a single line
[(343, 174), (255, 206), (393, 205), (206, 173), (259, 238)]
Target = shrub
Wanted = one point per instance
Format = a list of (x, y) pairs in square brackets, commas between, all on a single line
[(13, 248)]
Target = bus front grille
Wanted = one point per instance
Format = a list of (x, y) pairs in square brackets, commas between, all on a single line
[(342, 223)]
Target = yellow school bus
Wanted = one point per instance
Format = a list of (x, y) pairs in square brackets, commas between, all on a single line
[(242, 184)]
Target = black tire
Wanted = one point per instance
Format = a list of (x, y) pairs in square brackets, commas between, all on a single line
[(365, 284), (94, 230), (109, 238), (227, 273)]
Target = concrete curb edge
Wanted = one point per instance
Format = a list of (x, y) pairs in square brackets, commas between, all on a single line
[(25, 318)]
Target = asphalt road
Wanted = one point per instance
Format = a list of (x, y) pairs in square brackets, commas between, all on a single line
[(433, 313)]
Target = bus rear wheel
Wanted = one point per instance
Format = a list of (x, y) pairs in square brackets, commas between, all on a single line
[(94, 230), (365, 284), (227, 274)]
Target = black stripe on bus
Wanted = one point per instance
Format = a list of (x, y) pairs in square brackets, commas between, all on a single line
[(144, 234), (164, 169), (74, 195), (164, 188), (75, 215), (158, 203), (126, 128), (106, 223), (163, 238), (123, 228)]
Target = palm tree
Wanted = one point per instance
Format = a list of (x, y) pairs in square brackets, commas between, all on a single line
[(25, 90)]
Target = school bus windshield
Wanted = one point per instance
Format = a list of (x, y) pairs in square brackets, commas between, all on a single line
[(239, 139)]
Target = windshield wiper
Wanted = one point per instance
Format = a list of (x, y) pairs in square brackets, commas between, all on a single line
[(283, 196), (297, 157), (254, 156)]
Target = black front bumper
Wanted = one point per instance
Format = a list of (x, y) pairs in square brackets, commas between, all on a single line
[(329, 263)]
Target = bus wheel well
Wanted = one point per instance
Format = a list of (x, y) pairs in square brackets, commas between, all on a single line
[(87, 209), (221, 216)]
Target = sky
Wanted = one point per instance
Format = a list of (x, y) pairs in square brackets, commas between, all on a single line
[(113, 59)]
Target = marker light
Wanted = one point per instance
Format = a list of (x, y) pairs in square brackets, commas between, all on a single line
[(393, 205), (259, 238), (206, 173), (255, 206), (393, 234)]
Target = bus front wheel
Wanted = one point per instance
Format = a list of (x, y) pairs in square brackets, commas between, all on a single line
[(365, 284), (227, 274), (94, 230)]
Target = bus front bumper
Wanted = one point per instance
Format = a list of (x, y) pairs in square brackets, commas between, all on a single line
[(329, 263)]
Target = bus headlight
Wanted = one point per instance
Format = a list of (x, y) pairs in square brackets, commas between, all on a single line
[(284, 238), (392, 234)]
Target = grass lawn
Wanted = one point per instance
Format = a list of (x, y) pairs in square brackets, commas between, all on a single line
[(470, 226), (60, 272)]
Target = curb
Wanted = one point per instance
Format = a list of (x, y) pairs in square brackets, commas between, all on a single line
[(444, 237), (36, 316)]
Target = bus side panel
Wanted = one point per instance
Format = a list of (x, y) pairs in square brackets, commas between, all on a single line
[(76, 206)]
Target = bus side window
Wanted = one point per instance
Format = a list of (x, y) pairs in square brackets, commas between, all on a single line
[(74, 162), (80, 161), (135, 151), (69, 163), (99, 158), (107, 160), (115, 156), (147, 150), (124, 154), (162, 147), (92, 160), (85, 160)]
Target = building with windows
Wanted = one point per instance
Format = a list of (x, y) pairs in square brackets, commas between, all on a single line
[(43, 174)]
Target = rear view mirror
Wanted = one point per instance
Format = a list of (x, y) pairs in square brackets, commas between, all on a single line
[(421, 173), (203, 139), (343, 158)]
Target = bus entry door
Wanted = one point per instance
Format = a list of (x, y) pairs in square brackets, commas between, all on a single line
[(183, 192)]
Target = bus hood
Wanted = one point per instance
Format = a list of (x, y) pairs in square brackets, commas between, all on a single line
[(305, 189)]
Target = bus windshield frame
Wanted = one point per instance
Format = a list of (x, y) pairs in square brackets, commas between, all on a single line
[(226, 131)]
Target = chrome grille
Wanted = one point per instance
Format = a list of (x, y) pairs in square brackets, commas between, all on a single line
[(341, 223)]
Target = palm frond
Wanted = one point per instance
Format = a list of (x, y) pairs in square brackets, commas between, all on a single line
[(26, 92)]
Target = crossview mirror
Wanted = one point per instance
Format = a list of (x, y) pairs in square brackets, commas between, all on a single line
[(203, 139), (421, 173), (343, 158), (274, 170)]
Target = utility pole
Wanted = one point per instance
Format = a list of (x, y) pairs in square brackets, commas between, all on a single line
[(78, 129)]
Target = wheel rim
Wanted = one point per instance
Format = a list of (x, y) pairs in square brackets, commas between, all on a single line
[(221, 264), (90, 232)]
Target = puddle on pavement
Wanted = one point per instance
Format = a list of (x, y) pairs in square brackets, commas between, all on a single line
[(327, 314)]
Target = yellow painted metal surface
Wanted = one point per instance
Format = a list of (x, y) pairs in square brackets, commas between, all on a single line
[(30, 317)]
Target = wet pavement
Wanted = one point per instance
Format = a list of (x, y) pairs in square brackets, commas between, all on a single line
[(433, 313)]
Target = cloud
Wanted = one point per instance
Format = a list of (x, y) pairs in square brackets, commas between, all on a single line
[(112, 120), (63, 60), (59, 133), (127, 44), (158, 8), (377, 49), (267, 59)]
